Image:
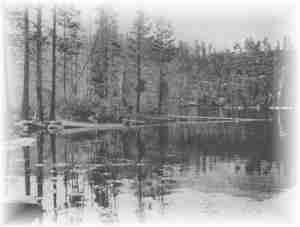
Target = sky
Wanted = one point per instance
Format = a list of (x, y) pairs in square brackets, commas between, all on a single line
[(220, 22), (214, 21)]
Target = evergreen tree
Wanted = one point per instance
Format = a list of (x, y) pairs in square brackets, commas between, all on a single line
[(164, 51), (106, 48), (138, 39)]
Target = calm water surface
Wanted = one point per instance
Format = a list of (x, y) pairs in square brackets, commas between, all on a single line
[(169, 172)]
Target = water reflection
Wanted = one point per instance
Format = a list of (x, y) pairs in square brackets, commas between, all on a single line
[(97, 176), (27, 169), (40, 166)]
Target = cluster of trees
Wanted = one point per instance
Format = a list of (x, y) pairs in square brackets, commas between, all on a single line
[(145, 69), (50, 47)]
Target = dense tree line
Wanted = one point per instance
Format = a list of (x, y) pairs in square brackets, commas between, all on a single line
[(80, 68)]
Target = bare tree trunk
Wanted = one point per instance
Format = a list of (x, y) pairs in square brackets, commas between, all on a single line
[(105, 71), (39, 66), (6, 113), (160, 95), (52, 105), (76, 74), (138, 91), (71, 81), (25, 103), (64, 58)]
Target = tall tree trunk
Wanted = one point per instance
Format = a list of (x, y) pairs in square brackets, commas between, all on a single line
[(52, 105), (75, 75), (39, 66), (138, 91), (71, 81), (7, 113), (105, 71), (160, 94), (138, 64), (25, 101), (64, 58)]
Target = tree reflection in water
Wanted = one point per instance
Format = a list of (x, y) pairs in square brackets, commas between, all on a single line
[(93, 172)]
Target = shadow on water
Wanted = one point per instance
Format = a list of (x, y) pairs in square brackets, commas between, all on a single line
[(25, 209), (145, 167)]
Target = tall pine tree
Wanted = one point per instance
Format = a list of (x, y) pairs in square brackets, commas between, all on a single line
[(163, 46), (139, 36)]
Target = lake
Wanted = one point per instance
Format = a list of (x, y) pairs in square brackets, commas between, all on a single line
[(177, 172)]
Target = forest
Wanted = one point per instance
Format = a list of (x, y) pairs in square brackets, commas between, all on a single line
[(61, 64)]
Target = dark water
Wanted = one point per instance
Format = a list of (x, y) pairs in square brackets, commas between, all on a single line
[(179, 171)]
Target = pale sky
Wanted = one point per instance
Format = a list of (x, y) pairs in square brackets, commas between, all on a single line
[(219, 22), (222, 24)]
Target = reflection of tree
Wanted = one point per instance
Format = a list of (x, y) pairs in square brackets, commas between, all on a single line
[(126, 148), (54, 172), (276, 126), (140, 148), (105, 188), (66, 175), (163, 146), (253, 165), (40, 151), (103, 179), (27, 170), (198, 156), (163, 137), (101, 196)]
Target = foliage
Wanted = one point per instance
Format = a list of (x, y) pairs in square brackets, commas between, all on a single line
[(76, 109), (106, 70)]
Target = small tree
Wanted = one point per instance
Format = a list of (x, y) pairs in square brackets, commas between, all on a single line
[(220, 64)]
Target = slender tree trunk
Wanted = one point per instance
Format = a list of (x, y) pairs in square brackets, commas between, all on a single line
[(6, 114), (105, 72), (88, 75), (71, 81), (160, 95), (64, 58), (25, 103), (39, 66), (138, 89), (76, 74), (52, 105)]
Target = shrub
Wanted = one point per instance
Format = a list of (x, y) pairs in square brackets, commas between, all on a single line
[(76, 109)]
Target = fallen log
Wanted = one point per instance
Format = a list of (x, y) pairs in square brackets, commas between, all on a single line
[(129, 122), (29, 125)]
